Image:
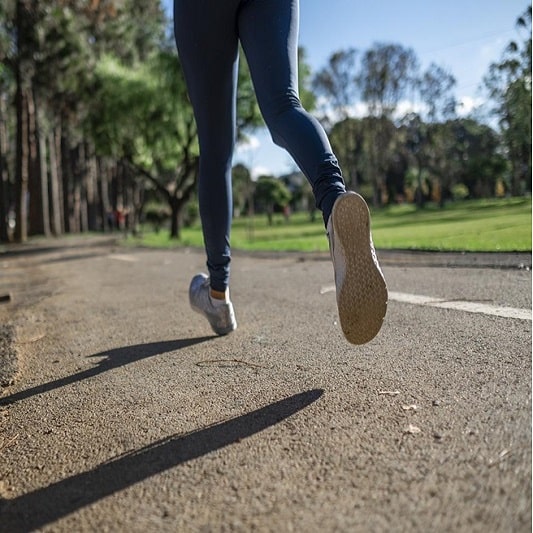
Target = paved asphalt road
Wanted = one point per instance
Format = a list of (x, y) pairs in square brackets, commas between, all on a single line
[(127, 414)]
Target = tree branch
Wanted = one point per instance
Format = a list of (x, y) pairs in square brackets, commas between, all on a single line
[(161, 188)]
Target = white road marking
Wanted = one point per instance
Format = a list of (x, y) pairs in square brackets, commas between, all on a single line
[(327, 288), (456, 305), (123, 257)]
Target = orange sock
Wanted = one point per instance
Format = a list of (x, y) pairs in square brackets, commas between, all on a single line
[(218, 295)]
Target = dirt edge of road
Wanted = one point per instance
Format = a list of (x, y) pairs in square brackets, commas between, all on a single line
[(8, 355)]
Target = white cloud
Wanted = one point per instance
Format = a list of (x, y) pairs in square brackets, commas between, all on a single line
[(360, 110), (406, 106), (250, 144), (258, 171), (333, 115), (467, 104)]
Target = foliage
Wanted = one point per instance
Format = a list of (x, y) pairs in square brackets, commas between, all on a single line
[(479, 163), (271, 193), (435, 86), (95, 118), (156, 215), (243, 188), (337, 82), (144, 119), (248, 113), (307, 96), (387, 71), (509, 85)]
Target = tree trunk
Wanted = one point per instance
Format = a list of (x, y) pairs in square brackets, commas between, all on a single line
[(354, 178), (127, 203), (22, 159), (67, 181), (419, 194), (80, 198), (38, 187), (35, 223), (138, 205), (103, 193), (55, 190), (23, 84), (516, 177), (43, 170), (175, 217), (90, 190), (117, 195), (4, 175)]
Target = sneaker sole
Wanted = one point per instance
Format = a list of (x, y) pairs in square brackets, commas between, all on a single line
[(362, 299)]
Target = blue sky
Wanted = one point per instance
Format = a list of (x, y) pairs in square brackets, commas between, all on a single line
[(462, 36)]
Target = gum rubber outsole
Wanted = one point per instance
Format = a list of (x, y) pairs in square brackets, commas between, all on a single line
[(362, 296)]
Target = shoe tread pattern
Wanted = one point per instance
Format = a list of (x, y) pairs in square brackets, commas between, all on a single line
[(362, 298)]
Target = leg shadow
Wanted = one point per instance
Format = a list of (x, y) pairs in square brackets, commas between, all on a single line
[(113, 359), (44, 506)]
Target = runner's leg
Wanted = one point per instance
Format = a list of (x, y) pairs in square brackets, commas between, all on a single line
[(206, 37), (269, 34)]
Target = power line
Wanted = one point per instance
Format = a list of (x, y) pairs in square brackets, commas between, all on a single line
[(469, 42)]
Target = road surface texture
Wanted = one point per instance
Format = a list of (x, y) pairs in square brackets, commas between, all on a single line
[(121, 411)]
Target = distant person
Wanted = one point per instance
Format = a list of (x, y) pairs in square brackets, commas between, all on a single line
[(207, 34)]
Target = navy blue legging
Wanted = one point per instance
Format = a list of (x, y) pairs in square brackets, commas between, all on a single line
[(207, 34)]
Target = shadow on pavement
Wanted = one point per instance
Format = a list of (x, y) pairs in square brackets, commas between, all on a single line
[(113, 359), (43, 506), (53, 245)]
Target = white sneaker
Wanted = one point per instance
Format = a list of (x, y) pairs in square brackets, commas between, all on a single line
[(219, 312), (360, 285)]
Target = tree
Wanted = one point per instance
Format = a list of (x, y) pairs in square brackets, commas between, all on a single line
[(23, 68), (416, 136), (443, 159), (305, 90), (5, 181), (7, 119), (298, 187), (509, 85), (243, 188), (131, 30), (271, 193), (61, 94), (337, 83), (143, 116), (435, 87), (387, 72), (480, 164), (349, 139), (248, 113), (49, 50), (144, 119)]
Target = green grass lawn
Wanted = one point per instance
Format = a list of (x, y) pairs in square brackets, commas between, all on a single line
[(481, 225)]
